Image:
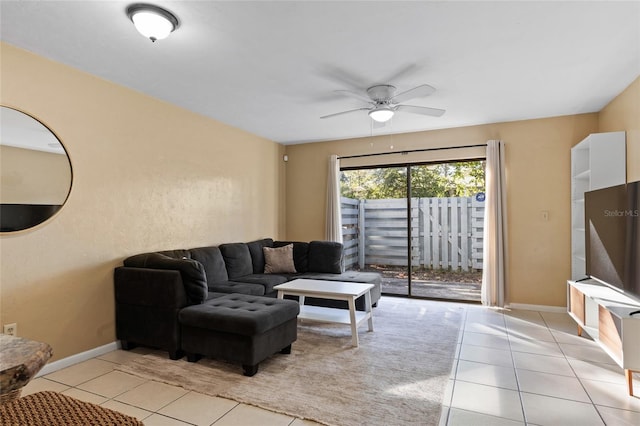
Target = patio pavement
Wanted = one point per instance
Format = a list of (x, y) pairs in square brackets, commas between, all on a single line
[(469, 292)]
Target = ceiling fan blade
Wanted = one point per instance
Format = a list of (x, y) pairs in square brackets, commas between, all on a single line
[(355, 95), (434, 112), (341, 77), (345, 112), (416, 92), (401, 73)]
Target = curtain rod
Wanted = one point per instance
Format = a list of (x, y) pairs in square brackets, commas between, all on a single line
[(411, 150)]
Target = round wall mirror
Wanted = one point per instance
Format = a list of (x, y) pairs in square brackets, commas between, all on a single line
[(35, 171)]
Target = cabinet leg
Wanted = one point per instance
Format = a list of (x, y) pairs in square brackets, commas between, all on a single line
[(579, 331), (629, 375)]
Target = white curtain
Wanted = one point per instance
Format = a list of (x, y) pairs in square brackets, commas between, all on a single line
[(495, 228), (334, 218)]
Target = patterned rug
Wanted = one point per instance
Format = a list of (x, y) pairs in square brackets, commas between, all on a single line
[(55, 409), (397, 376)]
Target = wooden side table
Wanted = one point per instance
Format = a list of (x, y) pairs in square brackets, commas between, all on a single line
[(20, 361)]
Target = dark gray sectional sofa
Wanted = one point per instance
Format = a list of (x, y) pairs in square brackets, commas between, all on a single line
[(151, 289)]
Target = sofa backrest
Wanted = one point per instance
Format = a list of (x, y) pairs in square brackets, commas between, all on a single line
[(257, 254), (326, 257), (213, 262), (316, 256), (203, 265), (237, 259), (176, 254), (300, 254)]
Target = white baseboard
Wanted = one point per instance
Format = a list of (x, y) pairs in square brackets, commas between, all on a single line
[(541, 308), (74, 359)]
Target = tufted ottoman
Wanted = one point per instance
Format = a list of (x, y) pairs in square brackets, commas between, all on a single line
[(239, 328)]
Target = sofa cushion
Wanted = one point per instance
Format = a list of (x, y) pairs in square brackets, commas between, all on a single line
[(257, 255), (213, 262), (325, 256), (348, 276), (279, 260), (215, 294), (268, 281), (237, 287), (237, 258), (191, 271), (300, 253), (240, 314)]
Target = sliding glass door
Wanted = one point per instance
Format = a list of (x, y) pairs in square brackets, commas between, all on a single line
[(449, 200), (420, 225), (374, 218)]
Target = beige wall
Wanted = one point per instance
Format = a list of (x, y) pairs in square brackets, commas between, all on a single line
[(623, 113), (538, 168), (537, 162), (33, 177), (147, 176)]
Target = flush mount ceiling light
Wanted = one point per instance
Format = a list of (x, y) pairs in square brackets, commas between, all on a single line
[(381, 114), (152, 21)]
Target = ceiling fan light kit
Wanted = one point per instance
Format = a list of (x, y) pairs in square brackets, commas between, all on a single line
[(384, 102), (381, 114), (151, 21)]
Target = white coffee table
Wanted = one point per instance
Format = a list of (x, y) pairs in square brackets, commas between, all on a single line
[(334, 290)]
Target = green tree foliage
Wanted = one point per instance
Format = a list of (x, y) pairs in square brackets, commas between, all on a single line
[(460, 179)]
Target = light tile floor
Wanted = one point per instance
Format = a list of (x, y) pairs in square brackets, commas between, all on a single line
[(510, 368), (530, 368), (155, 403)]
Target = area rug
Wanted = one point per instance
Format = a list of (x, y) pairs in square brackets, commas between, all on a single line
[(397, 376)]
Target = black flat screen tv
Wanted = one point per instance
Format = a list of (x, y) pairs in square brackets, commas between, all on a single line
[(612, 227)]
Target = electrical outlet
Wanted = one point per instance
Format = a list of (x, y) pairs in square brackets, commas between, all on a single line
[(11, 329)]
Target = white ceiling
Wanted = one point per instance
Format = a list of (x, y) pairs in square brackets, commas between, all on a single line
[(271, 67)]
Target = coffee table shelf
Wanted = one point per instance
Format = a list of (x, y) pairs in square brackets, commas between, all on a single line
[(333, 290), (333, 315)]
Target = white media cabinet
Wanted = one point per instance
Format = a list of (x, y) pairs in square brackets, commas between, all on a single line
[(603, 313)]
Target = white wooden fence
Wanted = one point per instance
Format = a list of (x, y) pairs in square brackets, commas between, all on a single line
[(445, 232)]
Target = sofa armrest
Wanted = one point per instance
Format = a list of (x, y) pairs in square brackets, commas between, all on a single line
[(149, 287), (193, 275)]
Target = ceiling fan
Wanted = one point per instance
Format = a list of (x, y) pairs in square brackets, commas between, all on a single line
[(385, 103)]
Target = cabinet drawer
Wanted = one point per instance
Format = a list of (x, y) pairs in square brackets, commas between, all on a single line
[(576, 303), (610, 331)]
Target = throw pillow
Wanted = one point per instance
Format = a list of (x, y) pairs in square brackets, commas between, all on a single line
[(279, 260), (300, 254)]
